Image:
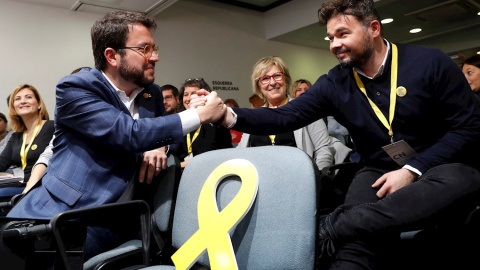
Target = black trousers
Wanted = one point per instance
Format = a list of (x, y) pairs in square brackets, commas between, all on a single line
[(365, 229)]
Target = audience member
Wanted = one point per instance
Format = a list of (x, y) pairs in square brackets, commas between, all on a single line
[(4, 132), (236, 136), (270, 81), (471, 69), (299, 87), (256, 101), (231, 103), (33, 131), (433, 120), (171, 99), (106, 120), (208, 136)]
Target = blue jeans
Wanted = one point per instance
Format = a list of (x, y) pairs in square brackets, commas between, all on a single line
[(365, 228)]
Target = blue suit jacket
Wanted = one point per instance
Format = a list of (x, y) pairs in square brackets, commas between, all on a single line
[(97, 144)]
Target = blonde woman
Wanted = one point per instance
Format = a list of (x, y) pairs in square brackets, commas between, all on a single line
[(270, 81), (33, 131)]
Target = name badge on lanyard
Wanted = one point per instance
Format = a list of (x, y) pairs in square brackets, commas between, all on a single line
[(400, 152)]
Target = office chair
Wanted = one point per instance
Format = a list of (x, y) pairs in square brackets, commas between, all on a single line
[(58, 243), (162, 206)]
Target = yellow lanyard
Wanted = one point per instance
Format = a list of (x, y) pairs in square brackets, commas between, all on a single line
[(23, 151), (393, 87), (272, 137), (190, 142)]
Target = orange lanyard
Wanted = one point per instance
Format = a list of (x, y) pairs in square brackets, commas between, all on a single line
[(23, 151)]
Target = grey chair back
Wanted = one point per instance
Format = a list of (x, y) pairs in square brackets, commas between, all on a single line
[(279, 231)]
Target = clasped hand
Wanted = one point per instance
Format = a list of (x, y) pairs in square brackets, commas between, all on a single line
[(209, 106)]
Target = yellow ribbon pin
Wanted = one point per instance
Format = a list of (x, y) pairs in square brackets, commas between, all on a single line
[(214, 226)]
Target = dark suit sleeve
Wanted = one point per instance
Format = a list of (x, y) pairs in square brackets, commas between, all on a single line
[(300, 112)]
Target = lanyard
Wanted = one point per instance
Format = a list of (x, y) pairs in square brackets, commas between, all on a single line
[(190, 142), (23, 151), (272, 137), (393, 87)]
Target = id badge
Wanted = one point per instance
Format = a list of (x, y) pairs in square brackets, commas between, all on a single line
[(400, 152), (18, 172), (187, 158)]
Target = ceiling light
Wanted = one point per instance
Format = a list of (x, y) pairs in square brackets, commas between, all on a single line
[(478, 52), (478, 13), (388, 20), (415, 30)]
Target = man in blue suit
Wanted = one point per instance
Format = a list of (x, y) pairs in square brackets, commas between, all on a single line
[(416, 127), (109, 121)]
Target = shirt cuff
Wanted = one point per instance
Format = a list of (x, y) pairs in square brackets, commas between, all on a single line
[(234, 117), (190, 120), (410, 168)]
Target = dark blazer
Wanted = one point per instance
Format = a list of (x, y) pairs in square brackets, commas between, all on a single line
[(97, 144)]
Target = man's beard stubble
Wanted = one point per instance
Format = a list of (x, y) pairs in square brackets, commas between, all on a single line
[(357, 60), (134, 75)]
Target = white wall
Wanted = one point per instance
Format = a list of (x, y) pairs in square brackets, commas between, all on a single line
[(196, 38)]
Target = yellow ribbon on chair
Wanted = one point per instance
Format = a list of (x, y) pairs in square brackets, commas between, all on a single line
[(214, 226)]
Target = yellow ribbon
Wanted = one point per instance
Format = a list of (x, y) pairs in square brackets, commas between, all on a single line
[(393, 87), (190, 141), (272, 137), (214, 226), (23, 151)]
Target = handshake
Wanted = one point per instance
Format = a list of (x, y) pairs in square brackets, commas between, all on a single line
[(211, 108)]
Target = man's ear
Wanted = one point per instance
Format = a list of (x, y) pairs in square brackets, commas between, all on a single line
[(112, 57), (376, 28)]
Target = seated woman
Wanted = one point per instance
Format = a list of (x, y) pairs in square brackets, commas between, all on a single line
[(270, 80), (207, 137), (33, 131)]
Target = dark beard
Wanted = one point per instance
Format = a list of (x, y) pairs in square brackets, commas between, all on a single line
[(357, 60), (133, 75)]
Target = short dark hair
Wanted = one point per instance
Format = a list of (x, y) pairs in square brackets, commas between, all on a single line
[(231, 101), (112, 32), (193, 82), (363, 10), (473, 60), (171, 87), (3, 117)]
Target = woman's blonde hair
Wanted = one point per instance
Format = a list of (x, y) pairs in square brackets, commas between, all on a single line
[(261, 68), (16, 122), (293, 90)]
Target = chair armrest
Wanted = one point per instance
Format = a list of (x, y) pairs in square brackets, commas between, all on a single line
[(104, 215)]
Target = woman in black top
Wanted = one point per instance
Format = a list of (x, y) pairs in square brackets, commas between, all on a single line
[(33, 131), (208, 136)]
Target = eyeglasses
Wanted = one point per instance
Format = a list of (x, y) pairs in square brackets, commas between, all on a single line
[(193, 80), (168, 97), (146, 51), (278, 77)]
